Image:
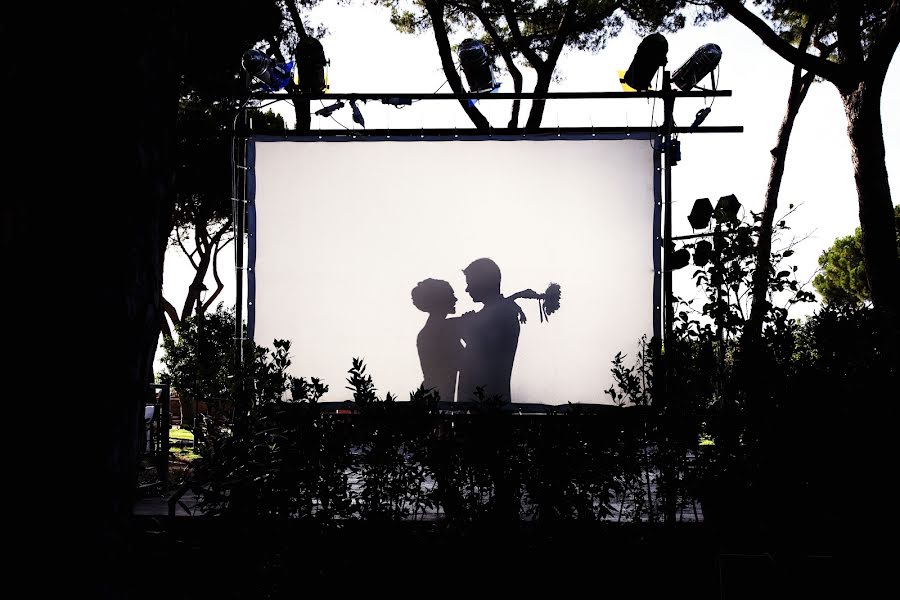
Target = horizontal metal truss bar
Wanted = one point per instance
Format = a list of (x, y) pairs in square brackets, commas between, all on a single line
[(495, 95), (471, 132)]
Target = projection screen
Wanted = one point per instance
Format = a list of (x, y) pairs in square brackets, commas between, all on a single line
[(342, 231)]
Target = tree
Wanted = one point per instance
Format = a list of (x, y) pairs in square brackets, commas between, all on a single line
[(864, 35), (842, 279), (536, 32), (203, 219), (200, 365), (103, 192), (283, 43), (806, 28)]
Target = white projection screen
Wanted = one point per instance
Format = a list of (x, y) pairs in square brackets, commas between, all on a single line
[(342, 230)]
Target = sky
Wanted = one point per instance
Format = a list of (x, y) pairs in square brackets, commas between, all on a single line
[(369, 56)]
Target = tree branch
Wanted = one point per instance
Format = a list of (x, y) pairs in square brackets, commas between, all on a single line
[(562, 34), (215, 271), (848, 39), (200, 274), (189, 255), (545, 71), (171, 312), (522, 44), (275, 46), (821, 67), (164, 328), (500, 43), (885, 45), (295, 17), (435, 10)]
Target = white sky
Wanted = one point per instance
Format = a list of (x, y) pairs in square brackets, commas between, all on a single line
[(368, 55)]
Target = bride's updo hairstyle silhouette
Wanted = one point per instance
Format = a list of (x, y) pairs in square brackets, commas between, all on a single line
[(434, 295)]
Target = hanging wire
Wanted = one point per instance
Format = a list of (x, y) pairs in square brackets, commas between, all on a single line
[(446, 81), (354, 131)]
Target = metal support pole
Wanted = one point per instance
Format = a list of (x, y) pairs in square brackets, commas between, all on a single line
[(165, 419), (668, 123), (239, 210)]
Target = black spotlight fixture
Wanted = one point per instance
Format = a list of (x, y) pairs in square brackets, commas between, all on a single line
[(680, 259), (275, 76), (649, 57), (311, 61), (699, 65), (702, 253), (477, 66), (700, 213), (727, 207)]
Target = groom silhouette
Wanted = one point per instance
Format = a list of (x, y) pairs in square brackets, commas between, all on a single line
[(491, 335)]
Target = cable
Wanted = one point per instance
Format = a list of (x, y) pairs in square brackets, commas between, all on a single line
[(446, 81), (354, 131), (653, 112)]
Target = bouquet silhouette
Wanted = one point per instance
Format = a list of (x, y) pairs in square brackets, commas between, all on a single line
[(548, 302)]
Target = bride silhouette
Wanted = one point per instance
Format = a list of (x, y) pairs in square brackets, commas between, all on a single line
[(440, 348)]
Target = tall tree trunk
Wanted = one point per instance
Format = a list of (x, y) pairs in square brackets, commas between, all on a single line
[(799, 88), (516, 105), (536, 114), (546, 67), (302, 112), (129, 279), (862, 105), (514, 71), (114, 221)]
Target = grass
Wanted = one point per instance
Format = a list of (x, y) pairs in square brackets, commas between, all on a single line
[(181, 451), (180, 434), (186, 454)]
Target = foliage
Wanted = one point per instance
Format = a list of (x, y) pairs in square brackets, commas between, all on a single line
[(528, 33), (842, 278), (632, 385), (790, 16), (203, 217), (701, 355), (200, 363), (213, 43), (772, 419), (203, 175), (726, 280), (853, 44), (775, 413), (398, 460)]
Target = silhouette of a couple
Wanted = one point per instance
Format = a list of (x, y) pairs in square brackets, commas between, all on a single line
[(480, 346)]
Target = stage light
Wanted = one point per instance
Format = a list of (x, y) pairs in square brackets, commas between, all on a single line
[(326, 111), (477, 66), (649, 57), (699, 65), (702, 253), (700, 213), (727, 208), (679, 259), (272, 74), (311, 63), (357, 115)]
